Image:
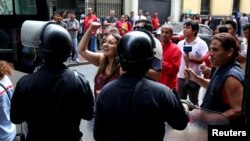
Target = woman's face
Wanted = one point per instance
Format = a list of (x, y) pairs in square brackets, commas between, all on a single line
[(123, 18), (110, 46)]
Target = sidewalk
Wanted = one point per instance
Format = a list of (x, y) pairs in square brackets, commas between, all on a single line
[(74, 63), (81, 59)]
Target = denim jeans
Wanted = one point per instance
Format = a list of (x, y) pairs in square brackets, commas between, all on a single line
[(92, 43), (74, 50)]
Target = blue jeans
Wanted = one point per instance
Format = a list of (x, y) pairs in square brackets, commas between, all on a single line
[(92, 43), (74, 49)]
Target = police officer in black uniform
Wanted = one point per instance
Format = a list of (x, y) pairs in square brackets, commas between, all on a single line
[(52, 101), (132, 107)]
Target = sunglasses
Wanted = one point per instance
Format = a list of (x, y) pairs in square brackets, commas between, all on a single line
[(138, 27)]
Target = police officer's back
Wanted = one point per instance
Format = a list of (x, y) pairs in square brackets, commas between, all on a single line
[(133, 108), (52, 100)]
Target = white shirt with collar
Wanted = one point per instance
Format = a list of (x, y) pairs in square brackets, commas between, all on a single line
[(199, 49)]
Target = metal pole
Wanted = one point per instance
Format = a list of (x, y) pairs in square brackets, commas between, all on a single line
[(122, 10), (95, 6), (246, 93)]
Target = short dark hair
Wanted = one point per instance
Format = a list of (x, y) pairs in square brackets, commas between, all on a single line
[(232, 23), (222, 28), (147, 24), (194, 25)]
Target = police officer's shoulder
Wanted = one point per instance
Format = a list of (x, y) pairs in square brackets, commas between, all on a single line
[(156, 86)]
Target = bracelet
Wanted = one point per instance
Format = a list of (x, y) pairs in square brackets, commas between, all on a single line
[(191, 106)]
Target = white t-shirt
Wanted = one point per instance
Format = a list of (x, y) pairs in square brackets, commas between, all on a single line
[(158, 49), (157, 63), (199, 49)]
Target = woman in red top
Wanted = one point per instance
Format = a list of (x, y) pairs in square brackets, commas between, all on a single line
[(123, 25), (109, 68)]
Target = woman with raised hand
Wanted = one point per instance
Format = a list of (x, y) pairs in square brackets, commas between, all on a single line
[(108, 67)]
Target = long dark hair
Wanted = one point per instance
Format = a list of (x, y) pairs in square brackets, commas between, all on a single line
[(105, 61)]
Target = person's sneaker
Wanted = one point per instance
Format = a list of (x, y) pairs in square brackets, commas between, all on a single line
[(68, 60), (77, 61)]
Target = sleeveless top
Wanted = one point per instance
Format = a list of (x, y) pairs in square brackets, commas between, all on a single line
[(101, 79), (213, 99)]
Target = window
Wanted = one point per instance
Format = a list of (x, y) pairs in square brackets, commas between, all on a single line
[(236, 6), (6, 7), (205, 31), (205, 7), (81, 3), (25, 7)]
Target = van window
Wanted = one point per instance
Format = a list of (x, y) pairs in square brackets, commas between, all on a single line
[(25, 7), (6, 7)]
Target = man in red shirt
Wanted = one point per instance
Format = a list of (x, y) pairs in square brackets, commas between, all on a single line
[(87, 22), (155, 21), (171, 58)]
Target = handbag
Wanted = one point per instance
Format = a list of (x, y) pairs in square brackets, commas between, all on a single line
[(20, 136)]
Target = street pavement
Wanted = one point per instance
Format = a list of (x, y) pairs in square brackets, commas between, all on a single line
[(82, 61)]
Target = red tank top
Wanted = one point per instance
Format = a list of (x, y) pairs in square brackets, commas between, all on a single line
[(101, 79)]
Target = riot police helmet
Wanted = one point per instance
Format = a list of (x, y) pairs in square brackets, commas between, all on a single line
[(135, 51), (56, 44)]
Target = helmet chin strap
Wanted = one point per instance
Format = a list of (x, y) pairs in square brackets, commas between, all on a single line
[(40, 43)]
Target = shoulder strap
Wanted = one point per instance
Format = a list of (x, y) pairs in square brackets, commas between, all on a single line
[(77, 75), (5, 90), (132, 97), (84, 82), (138, 85), (130, 106)]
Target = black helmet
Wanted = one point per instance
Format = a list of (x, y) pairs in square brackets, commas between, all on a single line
[(56, 44), (135, 51)]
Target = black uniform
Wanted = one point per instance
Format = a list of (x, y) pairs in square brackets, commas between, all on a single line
[(153, 105), (52, 102)]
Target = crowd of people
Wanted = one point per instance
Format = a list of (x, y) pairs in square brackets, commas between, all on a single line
[(141, 83), (77, 27)]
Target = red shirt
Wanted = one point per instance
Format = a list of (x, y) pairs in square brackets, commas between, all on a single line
[(155, 22), (123, 27), (88, 20), (101, 79), (170, 65), (206, 60)]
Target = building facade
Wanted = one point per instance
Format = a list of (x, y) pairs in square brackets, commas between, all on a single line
[(102, 7), (165, 8), (216, 7)]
